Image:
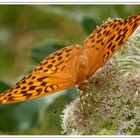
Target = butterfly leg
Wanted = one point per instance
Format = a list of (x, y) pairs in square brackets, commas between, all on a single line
[(87, 101), (82, 88), (82, 102), (86, 98)]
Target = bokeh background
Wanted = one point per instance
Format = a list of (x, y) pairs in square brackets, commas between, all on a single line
[(28, 34)]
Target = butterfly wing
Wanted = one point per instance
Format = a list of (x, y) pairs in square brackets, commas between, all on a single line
[(68, 66), (60, 60), (33, 86), (53, 74), (107, 39)]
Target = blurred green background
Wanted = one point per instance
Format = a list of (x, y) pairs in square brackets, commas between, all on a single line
[(28, 34)]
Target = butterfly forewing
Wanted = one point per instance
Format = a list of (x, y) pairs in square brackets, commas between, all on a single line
[(95, 42), (35, 85), (109, 38)]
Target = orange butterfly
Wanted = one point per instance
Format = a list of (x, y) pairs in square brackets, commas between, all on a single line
[(73, 64)]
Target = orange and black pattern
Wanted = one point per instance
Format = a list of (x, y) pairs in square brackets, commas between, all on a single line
[(73, 64)]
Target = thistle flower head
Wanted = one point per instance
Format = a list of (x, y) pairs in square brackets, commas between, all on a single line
[(110, 101)]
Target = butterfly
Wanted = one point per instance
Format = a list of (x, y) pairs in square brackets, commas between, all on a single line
[(73, 64)]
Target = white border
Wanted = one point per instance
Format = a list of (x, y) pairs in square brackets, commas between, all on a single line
[(70, 1), (69, 136), (64, 2)]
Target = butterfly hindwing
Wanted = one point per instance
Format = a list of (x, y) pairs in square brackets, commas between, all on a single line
[(57, 61), (47, 77)]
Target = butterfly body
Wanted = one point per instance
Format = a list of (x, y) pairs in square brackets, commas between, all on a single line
[(73, 64)]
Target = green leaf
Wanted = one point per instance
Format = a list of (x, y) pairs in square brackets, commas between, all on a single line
[(3, 86), (24, 115), (7, 121), (89, 24)]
